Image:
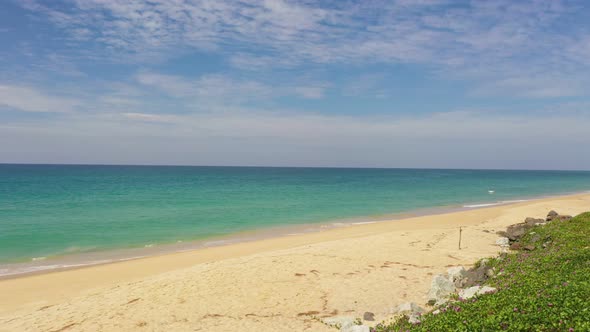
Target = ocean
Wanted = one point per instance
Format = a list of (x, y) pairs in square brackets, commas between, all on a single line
[(51, 212)]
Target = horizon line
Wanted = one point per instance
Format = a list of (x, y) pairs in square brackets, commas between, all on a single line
[(270, 166)]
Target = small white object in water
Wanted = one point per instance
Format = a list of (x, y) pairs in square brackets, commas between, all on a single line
[(491, 191)]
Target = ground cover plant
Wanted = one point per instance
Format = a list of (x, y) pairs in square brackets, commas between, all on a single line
[(543, 289)]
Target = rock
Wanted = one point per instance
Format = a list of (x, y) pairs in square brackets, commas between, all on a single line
[(476, 290), (515, 246), (456, 273), (503, 241), (564, 217), (440, 289), (533, 221), (369, 316), (355, 328), (516, 231), (476, 275), (414, 318), (484, 262), (551, 215), (339, 321), (436, 312), (409, 307), (535, 238), (529, 247), (411, 310), (490, 273)]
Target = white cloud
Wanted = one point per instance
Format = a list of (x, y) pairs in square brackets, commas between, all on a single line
[(31, 100)]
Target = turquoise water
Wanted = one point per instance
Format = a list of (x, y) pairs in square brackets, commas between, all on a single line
[(48, 210)]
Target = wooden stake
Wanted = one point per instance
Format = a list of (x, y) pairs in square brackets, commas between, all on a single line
[(460, 231)]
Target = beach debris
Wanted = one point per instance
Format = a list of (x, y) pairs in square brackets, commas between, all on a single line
[(456, 273), (503, 241), (369, 316), (339, 321), (470, 292), (411, 310), (441, 289)]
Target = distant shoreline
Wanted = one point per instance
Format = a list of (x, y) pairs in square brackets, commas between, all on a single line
[(42, 265)]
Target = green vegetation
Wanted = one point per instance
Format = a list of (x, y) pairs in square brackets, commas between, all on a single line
[(545, 289)]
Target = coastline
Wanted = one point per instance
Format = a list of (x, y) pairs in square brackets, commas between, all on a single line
[(348, 270), (42, 265)]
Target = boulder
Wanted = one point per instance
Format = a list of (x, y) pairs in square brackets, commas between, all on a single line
[(339, 321), (551, 215), (409, 307), (441, 289), (533, 221), (476, 275), (355, 328), (503, 241), (456, 273), (516, 231), (564, 217), (369, 316), (411, 310), (515, 246), (529, 247), (475, 290)]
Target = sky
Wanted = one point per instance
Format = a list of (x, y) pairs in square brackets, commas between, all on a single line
[(368, 83)]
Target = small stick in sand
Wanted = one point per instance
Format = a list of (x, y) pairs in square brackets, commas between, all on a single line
[(460, 231)]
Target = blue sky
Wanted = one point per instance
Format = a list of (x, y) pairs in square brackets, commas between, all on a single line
[(406, 83)]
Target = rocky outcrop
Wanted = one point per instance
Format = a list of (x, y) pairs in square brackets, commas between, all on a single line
[(515, 232)]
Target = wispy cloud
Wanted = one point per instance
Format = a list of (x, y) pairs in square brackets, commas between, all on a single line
[(31, 100), (497, 38), (224, 88)]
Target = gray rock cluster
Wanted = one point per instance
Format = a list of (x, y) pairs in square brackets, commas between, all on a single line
[(458, 278), (511, 237)]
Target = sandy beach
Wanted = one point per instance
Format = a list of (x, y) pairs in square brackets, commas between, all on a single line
[(278, 284)]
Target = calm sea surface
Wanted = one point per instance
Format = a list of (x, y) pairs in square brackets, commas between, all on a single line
[(55, 210)]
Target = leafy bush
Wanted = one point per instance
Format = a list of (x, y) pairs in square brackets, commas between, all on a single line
[(546, 289)]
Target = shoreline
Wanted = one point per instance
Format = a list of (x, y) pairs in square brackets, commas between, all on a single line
[(273, 284), (66, 262)]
